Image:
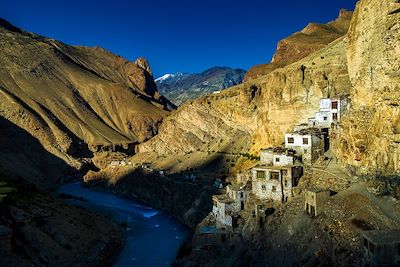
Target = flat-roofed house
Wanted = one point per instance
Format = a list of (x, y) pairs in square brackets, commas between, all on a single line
[(278, 156), (223, 210), (331, 110), (239, 194), (275, 182), (315, 199), (310, 143)]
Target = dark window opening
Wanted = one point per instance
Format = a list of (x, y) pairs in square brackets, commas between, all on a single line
[(334, 116), (334, 105), (273, 189), (290, 140), (261, 174), (274, 175), (325, 118), (277, 159), (263, 187), (241, 194), (305, 141)]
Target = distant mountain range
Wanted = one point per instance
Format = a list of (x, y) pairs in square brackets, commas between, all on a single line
[(181, 87)]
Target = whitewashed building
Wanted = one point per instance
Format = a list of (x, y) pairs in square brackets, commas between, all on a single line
[(223, 210), (275, 182), (310, 143), (278, 156), (331, 110), (239, 194)]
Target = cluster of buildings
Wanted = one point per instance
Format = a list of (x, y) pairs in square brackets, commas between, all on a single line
[(278, 173), (280, 168)]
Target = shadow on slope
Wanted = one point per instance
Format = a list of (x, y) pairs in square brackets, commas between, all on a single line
[(23, 157)]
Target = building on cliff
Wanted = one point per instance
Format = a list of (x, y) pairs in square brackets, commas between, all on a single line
[(275, 182), (381, 247), (330, 111), (278, 156), (315, 199), (224, 212), (239, 194), (310, 143)]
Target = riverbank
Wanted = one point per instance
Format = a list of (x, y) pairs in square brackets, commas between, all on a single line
[(188, 202), (45, 231), (146, 229)]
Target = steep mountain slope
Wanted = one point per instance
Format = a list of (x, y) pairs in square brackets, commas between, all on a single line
[(181, 87), (369, 137), (312, 38), (75, 99)]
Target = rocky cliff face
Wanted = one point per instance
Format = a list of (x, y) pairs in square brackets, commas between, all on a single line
[(243, 119), (312, 38), (75, 100), (368, 138)]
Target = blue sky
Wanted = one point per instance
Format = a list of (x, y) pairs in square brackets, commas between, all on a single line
[(174, 35)]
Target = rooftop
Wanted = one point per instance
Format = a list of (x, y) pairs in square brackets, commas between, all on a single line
[(309, 131), (223, 199), (316, 189), (237, 187), (280, 150), (274, 168), (383, 236)]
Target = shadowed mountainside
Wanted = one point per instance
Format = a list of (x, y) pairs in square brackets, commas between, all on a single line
[(76, 99)]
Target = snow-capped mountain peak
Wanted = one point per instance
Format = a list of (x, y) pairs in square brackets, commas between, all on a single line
[(165, 77)]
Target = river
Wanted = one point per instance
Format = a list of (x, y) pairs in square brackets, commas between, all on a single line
[(152, 237)]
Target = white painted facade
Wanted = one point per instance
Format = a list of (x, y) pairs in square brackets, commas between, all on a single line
[(277, 157), (223, 207), (275, 183), (331, 110), (239, 196), (310, 145)]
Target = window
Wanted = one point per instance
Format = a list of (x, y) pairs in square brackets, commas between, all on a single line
[(305, 141), (274, 189), (325, 118), (274, 175), (334, 116), (334, 104), (286, 183), (277, 159), (241, 195), (263, 187), (261, 174), (290, 140)]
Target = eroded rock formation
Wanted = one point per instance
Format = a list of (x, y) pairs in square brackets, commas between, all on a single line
[(369, 137)]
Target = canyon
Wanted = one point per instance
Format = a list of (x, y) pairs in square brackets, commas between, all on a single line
[(82, 113)]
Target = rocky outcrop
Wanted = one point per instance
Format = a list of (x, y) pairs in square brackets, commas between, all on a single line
[(312, 38), (243, 119), (368, 138)]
